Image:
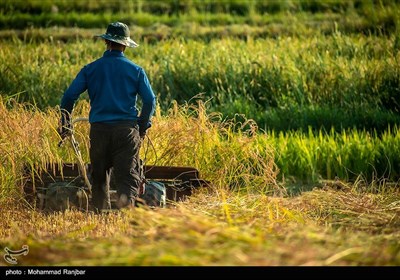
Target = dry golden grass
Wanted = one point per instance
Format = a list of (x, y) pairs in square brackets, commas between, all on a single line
[(259, 230), (28, 137)]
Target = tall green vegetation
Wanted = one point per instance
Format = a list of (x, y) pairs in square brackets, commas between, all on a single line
[(282, 83), (236, 7), (276, 18), (349, 155)]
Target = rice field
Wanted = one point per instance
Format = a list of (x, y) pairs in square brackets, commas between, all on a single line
[(289, 108)]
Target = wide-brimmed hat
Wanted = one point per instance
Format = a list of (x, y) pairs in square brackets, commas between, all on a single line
[(119, 32)]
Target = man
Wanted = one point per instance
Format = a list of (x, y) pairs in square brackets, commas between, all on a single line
[(113, 83)]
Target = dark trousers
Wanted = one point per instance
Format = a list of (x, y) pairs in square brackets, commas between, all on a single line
[(114, 148)]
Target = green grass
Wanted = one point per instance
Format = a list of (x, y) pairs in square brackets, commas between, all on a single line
[(237, 7), (282, 83), (347, 155), (353, 16)]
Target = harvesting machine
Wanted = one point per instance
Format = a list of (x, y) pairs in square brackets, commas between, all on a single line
[(66, 186)]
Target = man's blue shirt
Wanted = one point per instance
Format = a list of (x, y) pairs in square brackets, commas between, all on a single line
[(113, 83)]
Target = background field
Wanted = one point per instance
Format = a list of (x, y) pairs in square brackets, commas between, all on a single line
[(290, 108)]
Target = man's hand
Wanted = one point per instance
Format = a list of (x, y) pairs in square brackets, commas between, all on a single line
[(143, 128), (142, 134), (65, 128), (64, 131)]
